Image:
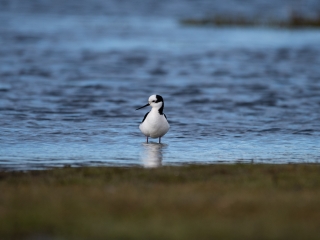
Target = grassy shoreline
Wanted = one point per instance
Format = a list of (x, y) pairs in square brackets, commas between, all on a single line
[(293, 22), (250, 201)]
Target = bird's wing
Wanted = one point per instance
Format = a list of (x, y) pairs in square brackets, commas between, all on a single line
[(165, 116), (145, 116)]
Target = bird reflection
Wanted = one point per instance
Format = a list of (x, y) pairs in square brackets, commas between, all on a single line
[(151, 155)]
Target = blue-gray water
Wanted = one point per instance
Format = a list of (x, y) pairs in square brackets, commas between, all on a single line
[(72, 74)]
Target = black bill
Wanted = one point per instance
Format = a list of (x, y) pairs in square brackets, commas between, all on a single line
[(143, 106)]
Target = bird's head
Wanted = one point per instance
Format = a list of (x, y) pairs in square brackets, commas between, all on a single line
[(155, 101)]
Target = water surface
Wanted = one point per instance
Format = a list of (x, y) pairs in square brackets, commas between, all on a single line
[(70, 82)]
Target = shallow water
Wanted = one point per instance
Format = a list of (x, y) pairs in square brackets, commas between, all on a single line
[(70, 83)]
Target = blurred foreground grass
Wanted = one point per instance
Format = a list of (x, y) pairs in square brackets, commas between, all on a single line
[(192, 202)]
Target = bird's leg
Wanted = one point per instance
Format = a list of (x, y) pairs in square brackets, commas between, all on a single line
[(159, 139), (147, 140)]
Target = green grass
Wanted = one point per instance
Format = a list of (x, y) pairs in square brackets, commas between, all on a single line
[(193, 202)]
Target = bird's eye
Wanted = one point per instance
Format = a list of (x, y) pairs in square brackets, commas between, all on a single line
[(153, 101)]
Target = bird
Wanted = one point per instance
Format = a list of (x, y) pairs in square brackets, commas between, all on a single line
[(154, 123)]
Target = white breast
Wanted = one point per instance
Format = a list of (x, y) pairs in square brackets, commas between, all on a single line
[(155, 125)]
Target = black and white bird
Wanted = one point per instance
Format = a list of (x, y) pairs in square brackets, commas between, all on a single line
[(154, 123)]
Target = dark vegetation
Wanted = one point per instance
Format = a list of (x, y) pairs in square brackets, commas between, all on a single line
[(294, 21)]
